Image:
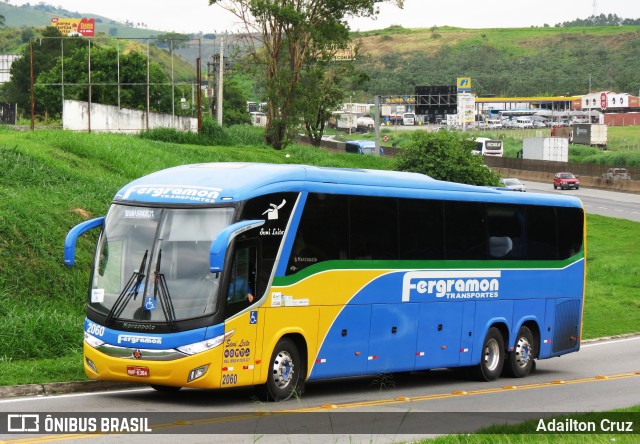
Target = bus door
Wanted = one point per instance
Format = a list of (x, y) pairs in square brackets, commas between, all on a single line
[(243, 321)]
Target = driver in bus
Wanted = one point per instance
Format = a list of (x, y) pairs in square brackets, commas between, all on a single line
[(240, 289)]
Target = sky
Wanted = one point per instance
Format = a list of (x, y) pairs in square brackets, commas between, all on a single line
[(192, 16)]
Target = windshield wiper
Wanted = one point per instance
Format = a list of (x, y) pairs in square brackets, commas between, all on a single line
[(161, 289), (130, 290)]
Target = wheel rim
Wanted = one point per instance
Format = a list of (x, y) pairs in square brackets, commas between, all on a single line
[(283, 369), (492, 355), (523, 352)]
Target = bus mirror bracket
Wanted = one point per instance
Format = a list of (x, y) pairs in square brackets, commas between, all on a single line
[(72, 237), (219, 245)]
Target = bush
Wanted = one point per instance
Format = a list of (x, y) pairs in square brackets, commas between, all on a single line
[(211, 134), (445, 155), (246, 135), (170, 135)]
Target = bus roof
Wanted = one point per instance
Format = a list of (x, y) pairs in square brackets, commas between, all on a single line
[(362, 142), (211, 183)]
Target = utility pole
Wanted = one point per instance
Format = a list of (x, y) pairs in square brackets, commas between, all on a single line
[(211, 88), (377, 125), (220, 83)]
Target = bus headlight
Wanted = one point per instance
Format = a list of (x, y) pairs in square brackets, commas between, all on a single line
[(199, 347), (92, 340), (91, 365), (197, 372)]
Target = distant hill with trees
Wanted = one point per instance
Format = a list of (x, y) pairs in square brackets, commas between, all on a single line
[(568, 59)]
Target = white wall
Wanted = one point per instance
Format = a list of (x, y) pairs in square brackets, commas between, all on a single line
[(107, 118)]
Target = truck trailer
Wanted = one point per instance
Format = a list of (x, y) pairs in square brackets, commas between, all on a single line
[(593, 134), (546, 148)]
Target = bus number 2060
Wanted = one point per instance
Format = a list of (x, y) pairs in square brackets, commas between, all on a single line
[(229, 379)]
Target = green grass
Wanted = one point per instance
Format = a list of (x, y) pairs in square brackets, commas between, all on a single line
[(52, 180)]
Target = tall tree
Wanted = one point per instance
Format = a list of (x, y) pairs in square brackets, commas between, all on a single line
[(321, 92), (287, 35)]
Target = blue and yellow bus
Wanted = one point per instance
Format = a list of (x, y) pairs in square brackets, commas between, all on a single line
[(233, 274)]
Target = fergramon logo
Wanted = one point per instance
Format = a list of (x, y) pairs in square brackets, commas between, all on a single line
[(451, 284), (23, 423)]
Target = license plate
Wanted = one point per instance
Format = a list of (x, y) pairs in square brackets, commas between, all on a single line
[(142, 372)]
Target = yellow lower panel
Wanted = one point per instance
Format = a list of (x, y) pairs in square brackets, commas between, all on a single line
[(171, 373)]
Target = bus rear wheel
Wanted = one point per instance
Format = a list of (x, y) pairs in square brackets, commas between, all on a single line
[(520, 360), (285, 375), (492, 359)]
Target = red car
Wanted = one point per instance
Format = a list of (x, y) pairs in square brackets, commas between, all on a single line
[(565, 181)]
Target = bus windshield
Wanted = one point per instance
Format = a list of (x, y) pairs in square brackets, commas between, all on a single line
[(152, 264)]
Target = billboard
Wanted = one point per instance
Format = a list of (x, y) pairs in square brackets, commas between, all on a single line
[(466, 108), (84, 27)]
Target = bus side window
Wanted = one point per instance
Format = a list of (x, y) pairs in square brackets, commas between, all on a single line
[(373, 228), (570, 223), (421, 229), (241, 289), (322, 233), (505, 227), (465, 235), (542, 233)]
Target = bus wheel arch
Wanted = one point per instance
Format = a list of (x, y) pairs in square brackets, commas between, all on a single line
[(520, 361), (286, 369), (492, 356)]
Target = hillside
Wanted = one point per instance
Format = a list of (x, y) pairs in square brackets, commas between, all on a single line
[(517, 41), (24, 16), (502, 62), (535, 61)]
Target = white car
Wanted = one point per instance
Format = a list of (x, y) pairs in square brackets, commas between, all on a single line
[(513, 184)]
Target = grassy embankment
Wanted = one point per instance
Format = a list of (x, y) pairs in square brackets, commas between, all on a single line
[(52, 180)]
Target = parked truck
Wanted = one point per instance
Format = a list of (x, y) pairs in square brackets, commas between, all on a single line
[(593, 134), (347, 122), (546, 148), (365, 124)]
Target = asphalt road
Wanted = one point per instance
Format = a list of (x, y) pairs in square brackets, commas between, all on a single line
[(596, 201), (603, 375)]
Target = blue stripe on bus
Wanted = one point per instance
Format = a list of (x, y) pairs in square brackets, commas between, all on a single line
[(155, 341)]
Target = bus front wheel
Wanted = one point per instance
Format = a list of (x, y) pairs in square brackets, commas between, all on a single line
[(492, 359), (520, 360), (284, 379)]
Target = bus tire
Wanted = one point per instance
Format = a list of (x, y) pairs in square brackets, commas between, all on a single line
[(285, 371), (521, 360), (492, 358), (165, 388)]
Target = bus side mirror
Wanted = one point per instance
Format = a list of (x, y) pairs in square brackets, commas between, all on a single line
[(219, 245), (72, 237)]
